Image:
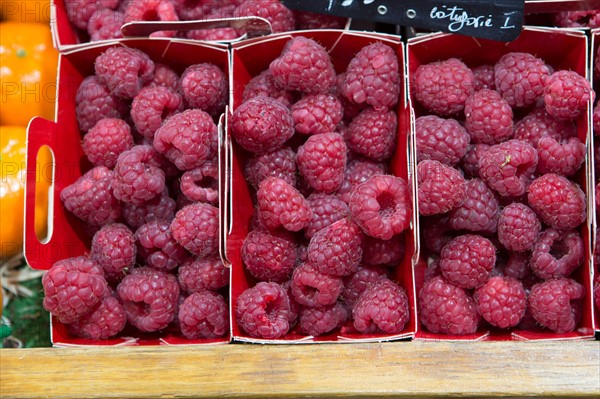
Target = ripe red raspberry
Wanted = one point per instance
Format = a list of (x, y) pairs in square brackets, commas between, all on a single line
[(196, 228), (557, 304), (578, 19), (373, 134), (439, 139), (161, 207), (213, 35), (373, 77), (313, 289), (383, 307), (518, 227), (106, 140), (152, 10), (488, 117), (321, 160), (269, 256), (91, 197), (152, 106), (468, 260), (441, 188), (196, 275), (484, 78), (263, 311), (164, 76), (79, 12), (563, 157), (95, 102), (539, 124), (383, 252), (558, 201), (187, 139), (262, 125), (73, 287), (567, 94), (520, 78), (311, 20), (204, 314), (124, 70), (264, 84), (479, 211), (149, 297), (106, 320), (321, 320), (205, 86), (158, 248), (326, 210), (138, 176), (202, 183), (470, 162), (280, 163), (358, 171), (508, 167), (280, 17), (337, 249), (382, 206), (113, 248), (447, 309), (443, 87), (282, 205), (317, 113), (105, 24), (358, 282), (304, 65), (557, 254), (501, 301)]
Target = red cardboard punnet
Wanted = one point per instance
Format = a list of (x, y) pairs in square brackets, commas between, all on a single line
[(67, 234), (561, 49), (251, 57), (595, 79)]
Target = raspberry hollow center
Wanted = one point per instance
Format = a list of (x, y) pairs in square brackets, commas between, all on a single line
[(387, 204), (558, 249)]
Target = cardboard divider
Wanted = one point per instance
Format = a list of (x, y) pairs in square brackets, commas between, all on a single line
[(562, 49), (71, 236), (251, 57), (595, 269)]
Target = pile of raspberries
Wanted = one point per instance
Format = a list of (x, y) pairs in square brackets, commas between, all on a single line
[(498, 156), (328, 221), (596, 126), (102, 19), (150, 200)]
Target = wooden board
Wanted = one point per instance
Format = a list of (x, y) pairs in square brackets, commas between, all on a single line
[(400, 369)]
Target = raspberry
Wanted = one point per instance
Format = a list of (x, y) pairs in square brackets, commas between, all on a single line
[(322, 160), (517, 265), (558, 201), (158, 248), (152, 106), (567, 94), (213, 35), (196, 275), (484, 78), (373, 77), (539, 124), (311, 20), (72, 288), (113, 248), (149, 297), (383, 307), (436, 232), (507, 167), (479, 211), (382, 206), (468, 260), (488, 117), (563, 157), (152, 10), (80, 12), (447, 309), (124, 70), (164, 76), (106, 140), (441, 188), (439, 139), (202, 183), (91, 197), (282, 205), (337, 249), (269, 256), (597, 292), (443, 87), (262, 125), (470, 162), (95, 102), (501, 301), (326, 210), (373, 134), (161, 207), (196, 228), (520, 78), (321, 320), (317, 113), (596, 118), (138, 177), (556, 304), (578, 19), (264, 85), (106, 320), (356, 172), (105, 24), (263, 311), (204, 86), (204, 314), (313, 289), (557, 254), (383, 252), (280, 163), (358, 282), (518, 227), (304, 65), (280, 17)]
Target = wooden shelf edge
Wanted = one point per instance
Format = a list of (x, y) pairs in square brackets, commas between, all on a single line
[(400, 369)]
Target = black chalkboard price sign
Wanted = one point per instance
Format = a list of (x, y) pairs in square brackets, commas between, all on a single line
[(491, 19)]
